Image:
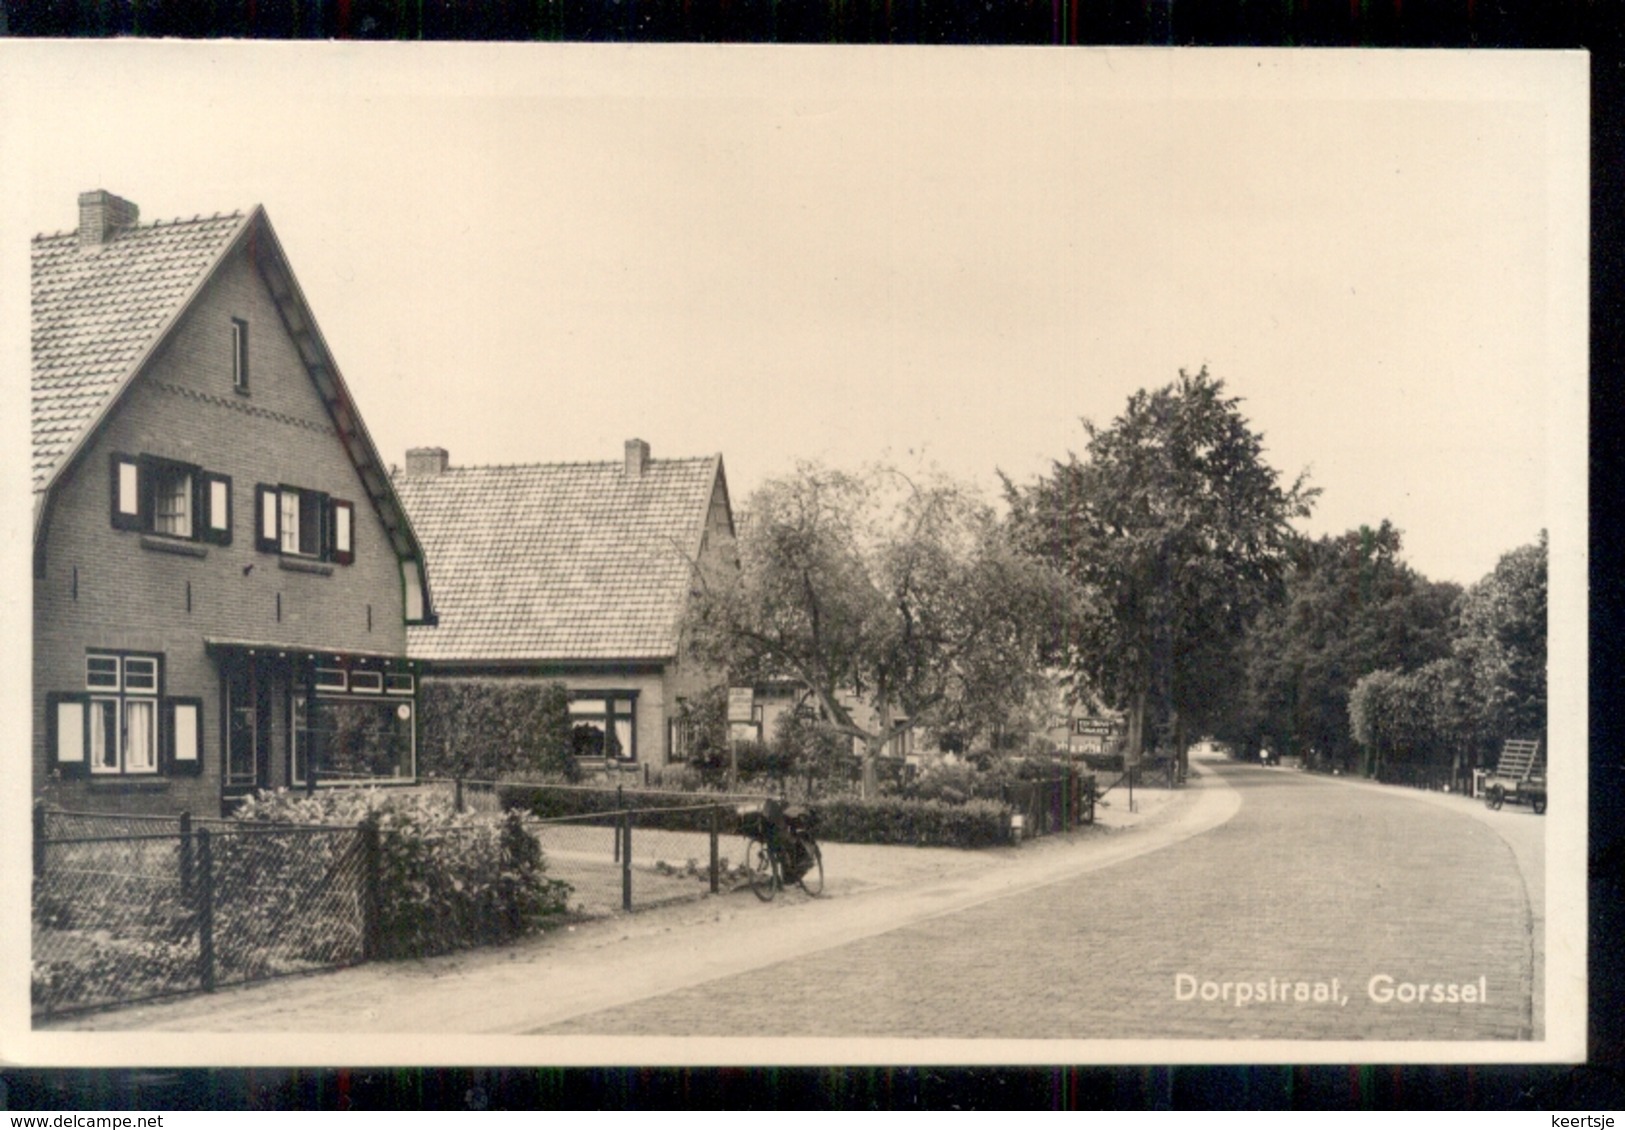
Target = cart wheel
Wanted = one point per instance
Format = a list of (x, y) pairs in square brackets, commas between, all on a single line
[(1495, 797), (1538, 804)]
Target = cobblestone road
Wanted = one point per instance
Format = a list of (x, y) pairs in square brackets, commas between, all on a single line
[(1312, 883)]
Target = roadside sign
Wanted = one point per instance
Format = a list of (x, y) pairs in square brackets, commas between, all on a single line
[(740, 701), (1100, 727)]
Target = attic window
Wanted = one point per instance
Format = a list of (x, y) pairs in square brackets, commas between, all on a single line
[(300, 523), (239, 355), (174, 500)]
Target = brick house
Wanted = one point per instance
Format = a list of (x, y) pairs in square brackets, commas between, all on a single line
[(573, 572), (223, 575)]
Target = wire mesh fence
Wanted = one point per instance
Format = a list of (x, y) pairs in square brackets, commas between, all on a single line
[(282, 900), (112, 921), (120, 918), (181, 906)]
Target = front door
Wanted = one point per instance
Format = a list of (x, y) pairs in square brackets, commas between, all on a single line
[(248, 727)]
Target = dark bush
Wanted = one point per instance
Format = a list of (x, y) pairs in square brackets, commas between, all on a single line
[(921, 823), (552, 802), (487, 728)]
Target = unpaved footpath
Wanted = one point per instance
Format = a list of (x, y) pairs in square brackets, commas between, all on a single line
[(603, 965)]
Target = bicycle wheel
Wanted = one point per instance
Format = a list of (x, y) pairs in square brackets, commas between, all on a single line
[(762, 868), (812, 880)]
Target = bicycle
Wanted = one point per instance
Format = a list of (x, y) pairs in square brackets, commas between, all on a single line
[(780, 849)]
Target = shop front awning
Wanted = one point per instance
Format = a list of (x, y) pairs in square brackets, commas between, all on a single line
[(284, 649)]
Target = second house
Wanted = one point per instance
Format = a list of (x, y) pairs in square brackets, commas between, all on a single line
[(578, 573)]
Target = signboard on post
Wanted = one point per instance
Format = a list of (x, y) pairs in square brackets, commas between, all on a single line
[(740, 701)]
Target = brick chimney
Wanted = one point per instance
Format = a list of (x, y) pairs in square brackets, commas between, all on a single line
[(426, 460), (637, 458), (103, 215)]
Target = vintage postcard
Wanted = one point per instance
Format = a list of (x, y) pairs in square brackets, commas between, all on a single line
[(576, 554)]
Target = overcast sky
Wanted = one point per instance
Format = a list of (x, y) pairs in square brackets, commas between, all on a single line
[(531, 254)]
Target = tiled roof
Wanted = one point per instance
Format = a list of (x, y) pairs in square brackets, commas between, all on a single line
[(557, 562), (95, 314)]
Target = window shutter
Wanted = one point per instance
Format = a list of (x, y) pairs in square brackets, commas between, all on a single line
[(268, 519), (183, 736), (148, 491), (324, 532), (215, 510), (343, 534), (67, 738), (127, 492)]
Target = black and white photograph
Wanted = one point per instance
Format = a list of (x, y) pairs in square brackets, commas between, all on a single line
[(611, 554)]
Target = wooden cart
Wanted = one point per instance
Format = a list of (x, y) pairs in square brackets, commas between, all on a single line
[(1519, 777)]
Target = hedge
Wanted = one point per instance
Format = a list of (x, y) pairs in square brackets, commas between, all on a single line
[(883, 820), (551, 802), (492, 728), (919, 823)]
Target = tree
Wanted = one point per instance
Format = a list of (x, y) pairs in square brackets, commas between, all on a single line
[(896, 603), (1502, 642), (1351, 607), (1491, 685), (1177, 527), (1413, 724)]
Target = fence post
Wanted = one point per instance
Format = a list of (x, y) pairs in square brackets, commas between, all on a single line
[(626, 861), (186, 854), (369, 890), (716, 832), (205, 910), (457, 802), (39, 838)]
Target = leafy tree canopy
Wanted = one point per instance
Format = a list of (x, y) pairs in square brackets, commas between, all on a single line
[(1502, 640), (895, 600), (1177, 528), (1352, 606)]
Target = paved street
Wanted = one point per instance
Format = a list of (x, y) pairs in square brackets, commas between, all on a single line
[(1255, 887), (1311, 890)]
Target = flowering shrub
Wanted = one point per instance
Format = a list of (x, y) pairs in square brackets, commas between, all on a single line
[(446, 880), (952, 784)]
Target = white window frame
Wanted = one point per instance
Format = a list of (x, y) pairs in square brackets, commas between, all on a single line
[(291, 518), (172, 488), (127, 703)]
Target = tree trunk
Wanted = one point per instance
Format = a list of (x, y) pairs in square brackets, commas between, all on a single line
[(1136, 729), (869, 788), (1182, 765)]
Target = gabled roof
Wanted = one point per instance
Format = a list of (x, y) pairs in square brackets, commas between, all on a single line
[(100, 314), (96, 314), (558, 562)]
